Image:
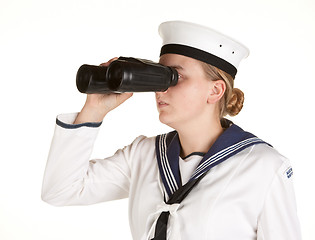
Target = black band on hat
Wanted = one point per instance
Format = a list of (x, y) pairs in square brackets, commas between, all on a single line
[(200, 55)]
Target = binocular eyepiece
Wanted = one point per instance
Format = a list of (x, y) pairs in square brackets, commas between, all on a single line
[(126, 75)]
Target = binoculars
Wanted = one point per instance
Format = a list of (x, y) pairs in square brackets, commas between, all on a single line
[(126, 75)]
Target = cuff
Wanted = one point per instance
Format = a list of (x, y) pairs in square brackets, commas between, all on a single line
[(66, 121)]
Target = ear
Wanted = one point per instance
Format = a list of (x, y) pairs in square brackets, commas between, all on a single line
[(217, 91)]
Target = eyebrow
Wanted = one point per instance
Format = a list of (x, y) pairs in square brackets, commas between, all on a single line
[(177, 67)]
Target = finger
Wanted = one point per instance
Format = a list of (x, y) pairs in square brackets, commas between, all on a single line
[(107, 63)]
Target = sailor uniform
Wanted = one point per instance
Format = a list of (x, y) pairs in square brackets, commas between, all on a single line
[(248, 196), (241, 189)]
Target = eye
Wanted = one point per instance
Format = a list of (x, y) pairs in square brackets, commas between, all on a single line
[(180, 76)]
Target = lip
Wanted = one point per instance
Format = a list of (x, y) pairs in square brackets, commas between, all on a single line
[(162, 104)]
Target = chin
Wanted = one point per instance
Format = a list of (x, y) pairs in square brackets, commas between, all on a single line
[(163, 119), (167, 121)]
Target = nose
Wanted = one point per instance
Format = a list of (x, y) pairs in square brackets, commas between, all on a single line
[(158, 94), (165, 91)]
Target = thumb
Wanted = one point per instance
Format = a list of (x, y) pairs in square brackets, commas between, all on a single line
[(123, 97)]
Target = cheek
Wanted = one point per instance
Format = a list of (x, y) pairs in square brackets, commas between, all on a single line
[(194, 96)]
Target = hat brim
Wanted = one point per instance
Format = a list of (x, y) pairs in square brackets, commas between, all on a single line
[(201, 55)]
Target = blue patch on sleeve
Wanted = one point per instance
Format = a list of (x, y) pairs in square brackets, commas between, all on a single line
[(289, 172)]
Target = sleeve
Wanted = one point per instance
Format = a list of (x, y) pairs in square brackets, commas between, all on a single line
[(70, 178), (279, 220)]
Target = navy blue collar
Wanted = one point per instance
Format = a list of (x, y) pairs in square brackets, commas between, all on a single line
[(201, 154), (232, 141)]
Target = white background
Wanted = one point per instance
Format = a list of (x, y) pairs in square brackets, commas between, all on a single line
[(43, 43)]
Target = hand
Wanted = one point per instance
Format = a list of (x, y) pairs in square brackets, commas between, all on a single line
[(98, 105)]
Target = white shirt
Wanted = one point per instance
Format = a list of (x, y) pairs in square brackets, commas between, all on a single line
[(249, 196), (188, 165)]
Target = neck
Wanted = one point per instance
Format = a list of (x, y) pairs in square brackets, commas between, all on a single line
[(199, 138)]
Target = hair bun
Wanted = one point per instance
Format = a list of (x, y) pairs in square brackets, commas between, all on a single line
[(235, 103)]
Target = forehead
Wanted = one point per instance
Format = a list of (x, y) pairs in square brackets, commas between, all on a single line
[(179, 61)]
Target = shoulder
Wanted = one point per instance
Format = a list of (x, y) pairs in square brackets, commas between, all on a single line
[(140, 153), (270, 160), (267, 153), (143, 140), (141, 144)]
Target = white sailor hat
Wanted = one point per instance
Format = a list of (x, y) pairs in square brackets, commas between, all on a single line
[(202, 43)]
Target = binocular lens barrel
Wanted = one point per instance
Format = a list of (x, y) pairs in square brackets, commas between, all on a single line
[(126, 75), (92, 79), (115, 76)]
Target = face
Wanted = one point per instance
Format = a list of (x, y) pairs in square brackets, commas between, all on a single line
[(186, 102)]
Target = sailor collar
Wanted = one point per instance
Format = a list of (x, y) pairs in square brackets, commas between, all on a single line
[(232, 141)]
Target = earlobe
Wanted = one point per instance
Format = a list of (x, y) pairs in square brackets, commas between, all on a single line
[(217, 91)]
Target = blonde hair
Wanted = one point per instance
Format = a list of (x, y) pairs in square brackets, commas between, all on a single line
[(232, 101)]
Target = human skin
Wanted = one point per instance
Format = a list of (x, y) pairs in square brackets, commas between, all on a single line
[(190, 107)]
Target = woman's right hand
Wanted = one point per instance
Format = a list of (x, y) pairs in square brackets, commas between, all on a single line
[(98, 105)]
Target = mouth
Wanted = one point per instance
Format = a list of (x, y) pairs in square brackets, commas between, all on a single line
[(162, 104)]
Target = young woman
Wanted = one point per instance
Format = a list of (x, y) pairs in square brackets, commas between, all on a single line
[(208, 179)]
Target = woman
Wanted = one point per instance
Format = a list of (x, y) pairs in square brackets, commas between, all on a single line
[(208, 179)]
